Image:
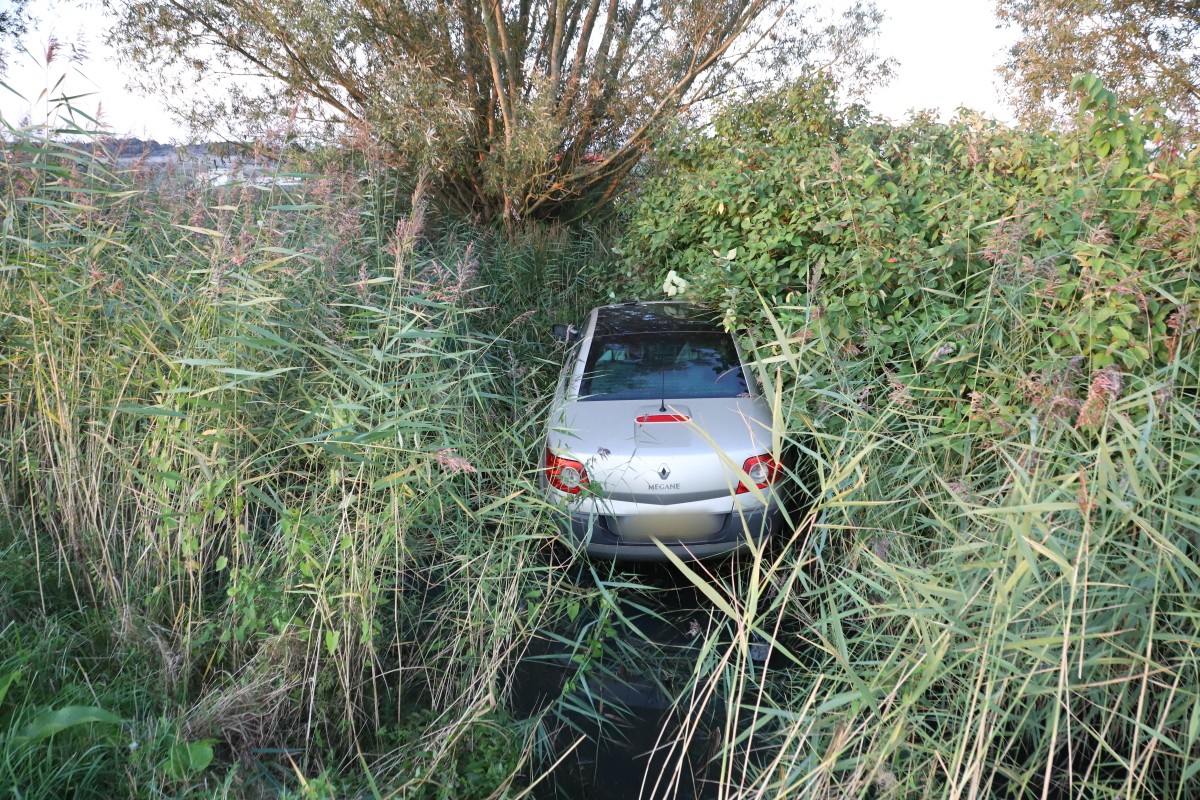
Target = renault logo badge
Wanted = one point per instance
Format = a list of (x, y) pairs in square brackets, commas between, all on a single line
[(664, 471)]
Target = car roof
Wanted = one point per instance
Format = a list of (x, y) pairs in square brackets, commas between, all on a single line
[(659, 317)]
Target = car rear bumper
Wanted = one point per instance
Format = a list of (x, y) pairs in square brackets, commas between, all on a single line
[(593, 534)]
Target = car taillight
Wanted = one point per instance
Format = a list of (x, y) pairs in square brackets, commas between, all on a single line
[(762, 471), (565, 474), (663, 418)]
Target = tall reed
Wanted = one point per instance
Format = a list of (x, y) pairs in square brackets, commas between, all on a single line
[(267, 432), (973, 614)]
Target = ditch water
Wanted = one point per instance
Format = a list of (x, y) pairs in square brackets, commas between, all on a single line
[(629, 687)]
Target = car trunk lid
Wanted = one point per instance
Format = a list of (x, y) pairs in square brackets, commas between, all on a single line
[(663, 453)]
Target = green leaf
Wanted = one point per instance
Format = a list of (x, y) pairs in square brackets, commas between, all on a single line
[(149, 411), (188, 758), (50, 722), (249, 373), (7, 681)]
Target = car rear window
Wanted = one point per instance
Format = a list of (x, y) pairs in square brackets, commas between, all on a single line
[(679, 364)]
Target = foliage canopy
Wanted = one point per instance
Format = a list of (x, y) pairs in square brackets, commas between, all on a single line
[(1144, 50), (519, 108), (13, 19), (896, 247)]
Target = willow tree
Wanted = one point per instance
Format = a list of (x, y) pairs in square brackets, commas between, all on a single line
[(13, 19), (519, 107), (1146, 51)]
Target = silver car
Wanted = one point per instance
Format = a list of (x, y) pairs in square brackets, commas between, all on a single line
[(657, 434)]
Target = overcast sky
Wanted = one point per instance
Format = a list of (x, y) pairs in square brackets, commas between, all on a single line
[(948, 51)]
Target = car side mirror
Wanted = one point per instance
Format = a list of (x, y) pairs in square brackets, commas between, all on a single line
[(565, 333)]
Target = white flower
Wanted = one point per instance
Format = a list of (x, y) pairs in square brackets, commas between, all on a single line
[(674, 284)]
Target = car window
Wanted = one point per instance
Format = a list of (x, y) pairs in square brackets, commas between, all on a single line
[(643, 366)]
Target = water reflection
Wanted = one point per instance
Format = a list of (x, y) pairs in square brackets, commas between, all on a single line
[(632, 683)]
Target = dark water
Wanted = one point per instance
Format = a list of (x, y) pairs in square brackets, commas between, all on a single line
[(608, 679)]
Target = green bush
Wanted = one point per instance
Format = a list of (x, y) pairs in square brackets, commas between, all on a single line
[(930, 253), (983, 341)]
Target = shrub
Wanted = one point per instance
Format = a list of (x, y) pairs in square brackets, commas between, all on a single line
[(928, 254), (984, 342)]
